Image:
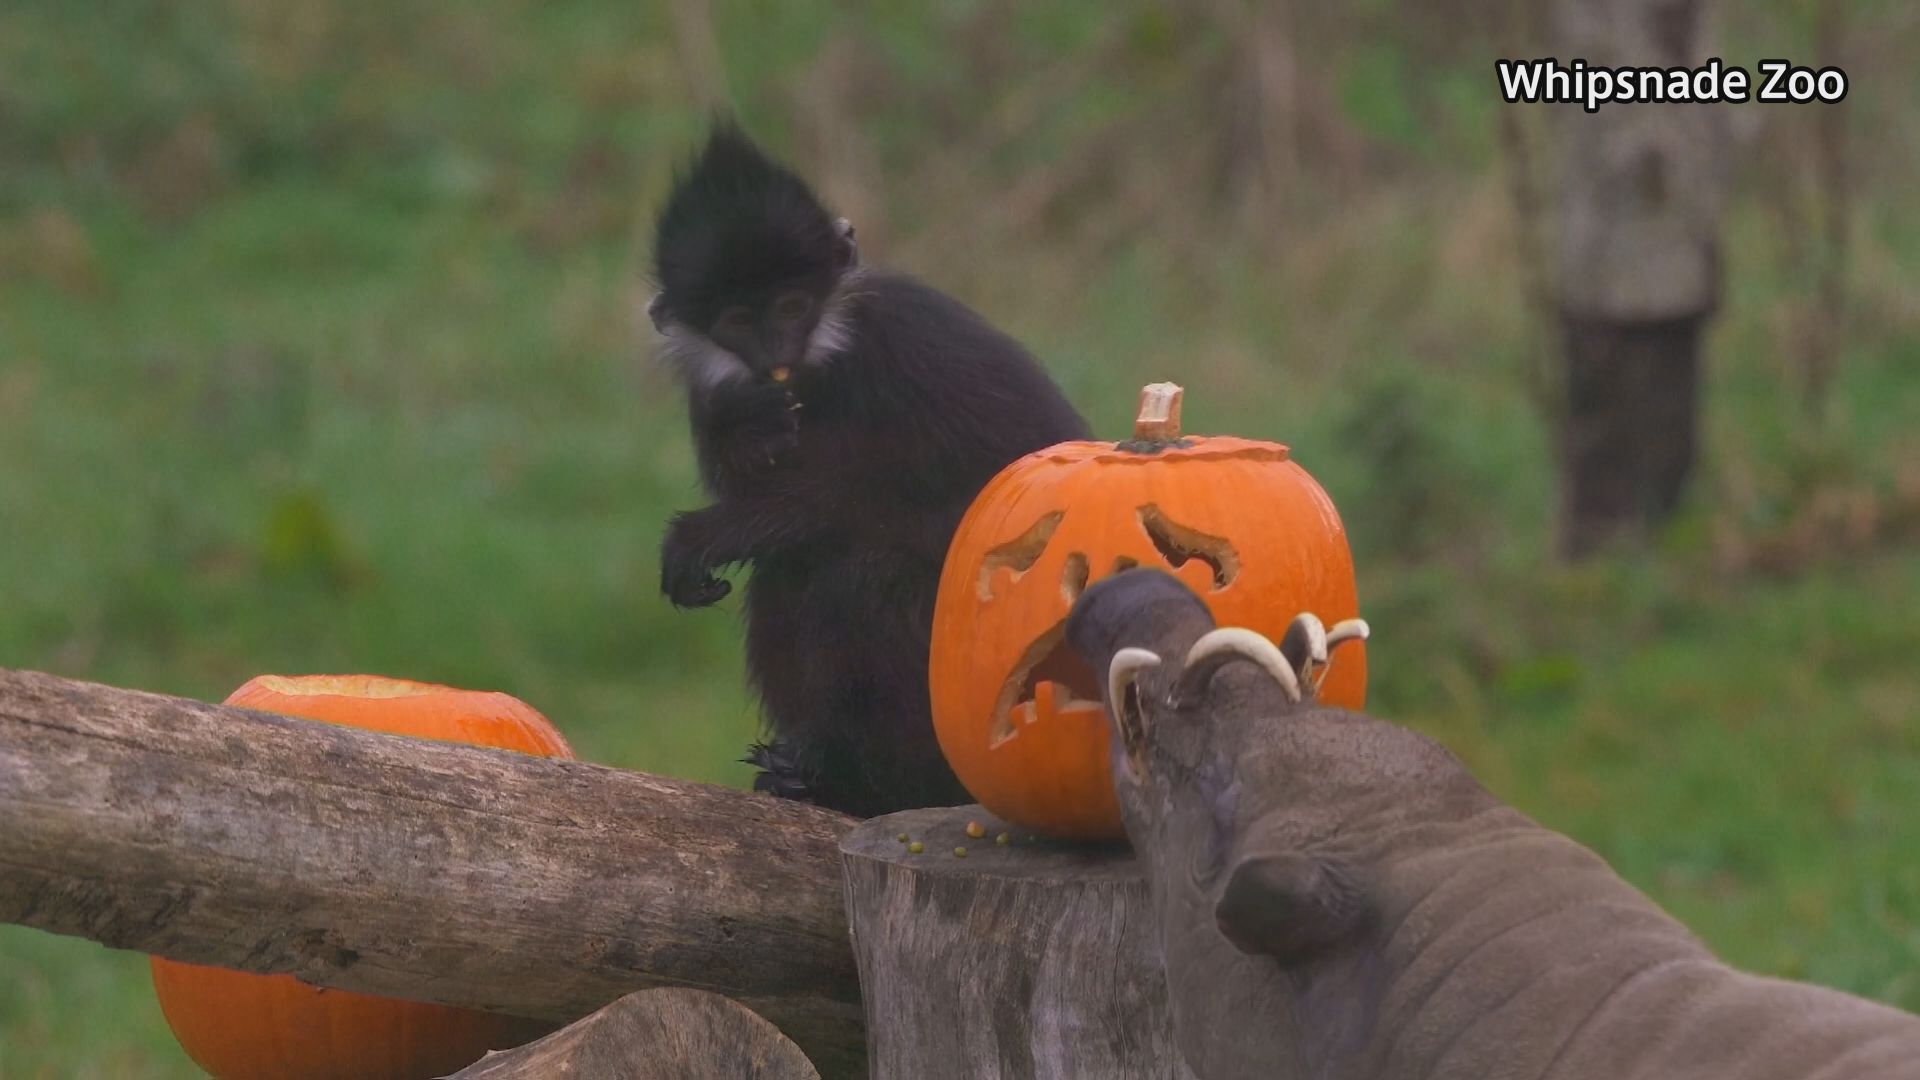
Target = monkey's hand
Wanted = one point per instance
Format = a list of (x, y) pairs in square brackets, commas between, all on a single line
[(753, 424), (688, 559)]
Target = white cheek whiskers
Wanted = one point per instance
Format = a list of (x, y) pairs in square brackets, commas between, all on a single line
[(699, 362), (833, 334)]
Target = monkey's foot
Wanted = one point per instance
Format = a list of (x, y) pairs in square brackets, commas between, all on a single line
[(781, 774)]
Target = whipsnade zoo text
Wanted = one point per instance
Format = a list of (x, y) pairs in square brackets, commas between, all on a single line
[(1779, 82)]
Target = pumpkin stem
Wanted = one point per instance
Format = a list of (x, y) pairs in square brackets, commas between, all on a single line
[(1159, 416)]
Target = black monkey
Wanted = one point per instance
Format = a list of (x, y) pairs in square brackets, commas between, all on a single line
[(843, 417)]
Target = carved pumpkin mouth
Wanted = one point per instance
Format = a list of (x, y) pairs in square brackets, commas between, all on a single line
[(1048, 684)]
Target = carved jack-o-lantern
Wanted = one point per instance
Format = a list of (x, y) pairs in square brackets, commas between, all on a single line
[(1018, 716)]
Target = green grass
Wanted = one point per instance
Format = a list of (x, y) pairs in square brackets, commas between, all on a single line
[(318, 353)]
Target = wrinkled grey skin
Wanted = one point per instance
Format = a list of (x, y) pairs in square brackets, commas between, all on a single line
[(1338, 898)]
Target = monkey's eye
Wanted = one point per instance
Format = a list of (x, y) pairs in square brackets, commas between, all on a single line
[(793, 305), (735, 318)]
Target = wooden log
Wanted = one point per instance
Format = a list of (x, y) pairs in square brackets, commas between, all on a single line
[(663, 1034), (413, 868), (1030, 960)]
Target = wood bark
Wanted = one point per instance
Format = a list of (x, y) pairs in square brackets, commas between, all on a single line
[(1638, 274), (1030, 960), (412, 868), (662, 1034)]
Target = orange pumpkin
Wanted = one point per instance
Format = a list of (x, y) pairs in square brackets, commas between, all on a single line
[(1018, 716), (240, 1026)]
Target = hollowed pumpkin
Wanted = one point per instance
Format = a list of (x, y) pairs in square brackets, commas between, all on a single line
[(241, 1026), (1018, 716)]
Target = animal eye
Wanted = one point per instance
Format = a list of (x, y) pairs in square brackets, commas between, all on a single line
[(735, 318), (793, 305)]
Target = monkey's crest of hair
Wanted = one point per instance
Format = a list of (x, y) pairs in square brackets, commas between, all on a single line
[(737, 223)]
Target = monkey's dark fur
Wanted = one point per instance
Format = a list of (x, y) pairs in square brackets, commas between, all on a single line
[(840, 486)]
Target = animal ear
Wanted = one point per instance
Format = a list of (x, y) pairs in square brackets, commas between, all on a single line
[(657, 311), (849, 251), (1292, 907)]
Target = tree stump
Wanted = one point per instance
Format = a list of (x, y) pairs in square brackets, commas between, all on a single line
[(664, 1034), (1031, 960)]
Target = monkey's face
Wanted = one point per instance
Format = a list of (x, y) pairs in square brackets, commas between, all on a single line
[(770, 334), (757, 332)]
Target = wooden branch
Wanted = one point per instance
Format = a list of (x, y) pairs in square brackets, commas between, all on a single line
[(1029, 961), (683, 1034), (412, 868)]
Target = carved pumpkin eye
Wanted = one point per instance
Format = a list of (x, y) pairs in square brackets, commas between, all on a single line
[(1020, 553), (1177, 543)]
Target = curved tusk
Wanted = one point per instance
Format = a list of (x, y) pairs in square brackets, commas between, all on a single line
[(1348, 630), (1219, 647), (1305, 643), (1305, 647), (1127, 665), (1342, 632)]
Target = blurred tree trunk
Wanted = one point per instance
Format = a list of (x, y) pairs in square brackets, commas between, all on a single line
[(1638, 274), (699, 53)]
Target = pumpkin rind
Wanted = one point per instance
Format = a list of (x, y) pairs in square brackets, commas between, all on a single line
[(1260, 542), (241, 1026)]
